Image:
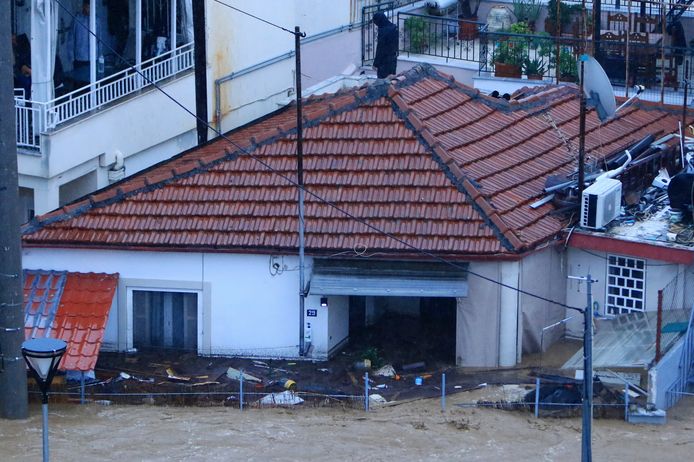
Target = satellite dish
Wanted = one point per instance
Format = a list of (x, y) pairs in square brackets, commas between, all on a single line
[(597, 87)]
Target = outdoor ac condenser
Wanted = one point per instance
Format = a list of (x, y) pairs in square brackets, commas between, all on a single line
[(601, 203)]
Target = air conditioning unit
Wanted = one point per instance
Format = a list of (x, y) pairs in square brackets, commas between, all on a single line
[(601, 203)]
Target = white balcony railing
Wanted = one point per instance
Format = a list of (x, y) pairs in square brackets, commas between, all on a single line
[(35, 117)]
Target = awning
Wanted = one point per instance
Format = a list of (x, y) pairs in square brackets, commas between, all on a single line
[(387, 279), (73, 307)]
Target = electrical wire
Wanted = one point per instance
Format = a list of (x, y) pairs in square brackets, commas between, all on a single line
[(308, 192), (256, 17)]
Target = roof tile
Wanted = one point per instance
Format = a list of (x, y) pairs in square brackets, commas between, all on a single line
[(81, 308), (464, 190)]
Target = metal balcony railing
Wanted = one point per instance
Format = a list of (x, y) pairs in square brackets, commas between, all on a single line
[(35, 117)]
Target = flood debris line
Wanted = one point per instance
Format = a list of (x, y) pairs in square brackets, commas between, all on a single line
[(175, 378), (236, 374), (285, 398)]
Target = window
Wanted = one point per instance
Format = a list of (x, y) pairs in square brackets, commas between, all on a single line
[(626, 285), (165, 319)]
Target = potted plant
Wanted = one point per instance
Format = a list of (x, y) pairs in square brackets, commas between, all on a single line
[(416, 34), (511, 52), (566, 16), (567, 66), (527, 11), (467, 19), (534, 68)]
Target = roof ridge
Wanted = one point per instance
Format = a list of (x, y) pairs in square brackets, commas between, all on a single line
[(459, 179)]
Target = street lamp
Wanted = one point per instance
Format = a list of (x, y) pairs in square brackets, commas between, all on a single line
[(42, 355)]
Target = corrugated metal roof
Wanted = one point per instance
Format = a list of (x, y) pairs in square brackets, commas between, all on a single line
[(73, 307), (433, 163)]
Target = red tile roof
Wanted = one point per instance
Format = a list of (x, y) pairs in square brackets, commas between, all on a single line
[(70, 306), (433, 163)]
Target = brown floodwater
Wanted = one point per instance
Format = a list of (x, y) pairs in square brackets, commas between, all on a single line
[(408, 432)]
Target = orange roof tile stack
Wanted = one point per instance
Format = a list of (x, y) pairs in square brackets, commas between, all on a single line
[(432, 163)]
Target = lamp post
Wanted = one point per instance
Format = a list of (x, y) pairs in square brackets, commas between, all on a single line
[(42, 355)]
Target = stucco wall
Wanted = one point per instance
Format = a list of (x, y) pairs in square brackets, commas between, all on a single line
[(478, 319), (581, 262), (247, 310), (543, 273)]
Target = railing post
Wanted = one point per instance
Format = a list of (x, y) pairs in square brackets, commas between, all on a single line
[(537, 397), (366, 391), (626, 402), (659, 326), (241, 389), (443, 392)]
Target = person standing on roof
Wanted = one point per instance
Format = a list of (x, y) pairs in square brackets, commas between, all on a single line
[(386, 59)]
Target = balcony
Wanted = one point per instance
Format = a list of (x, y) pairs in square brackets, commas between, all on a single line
[(634, 52), (35, 119)]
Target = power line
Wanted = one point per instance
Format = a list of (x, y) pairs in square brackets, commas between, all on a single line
[(307, 191), (256, 17)]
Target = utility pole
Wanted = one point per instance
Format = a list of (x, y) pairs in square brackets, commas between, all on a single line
[(200, 55), (13, 378), (587, 414), (300, 180)]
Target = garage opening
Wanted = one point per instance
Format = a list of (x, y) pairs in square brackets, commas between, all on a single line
[(403, 311), (403, 330), (165, 320)]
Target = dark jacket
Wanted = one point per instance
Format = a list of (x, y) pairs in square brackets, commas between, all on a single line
[(386, 59)]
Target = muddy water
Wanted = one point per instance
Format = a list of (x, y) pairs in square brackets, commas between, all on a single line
[(413, 431)]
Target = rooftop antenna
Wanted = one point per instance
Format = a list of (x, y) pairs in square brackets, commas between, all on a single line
[(597, 88)]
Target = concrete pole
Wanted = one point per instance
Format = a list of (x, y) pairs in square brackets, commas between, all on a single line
[(13, 378), (586, 434), (300, 180)]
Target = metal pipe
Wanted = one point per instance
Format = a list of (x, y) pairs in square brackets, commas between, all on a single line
[(44, 410), (443, 392), (582, 133), (659, 326), (241, 389), (82, 387), (366, 391), (537, 397)]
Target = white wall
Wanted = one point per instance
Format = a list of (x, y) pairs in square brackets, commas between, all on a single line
[(250, 312), (581, 263), (543, 273), (338, 321), (237, 42), (477, 336)]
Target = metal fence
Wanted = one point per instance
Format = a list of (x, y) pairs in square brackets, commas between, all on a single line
[(553, 396), (35, 117), (662, 70), (678, 315), (448, 38)]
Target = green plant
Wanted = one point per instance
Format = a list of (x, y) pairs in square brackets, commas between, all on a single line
[(513, 49), (417, 34), (372, 354), (535, 66), (527, 10), (566, 12), (567, 67)]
